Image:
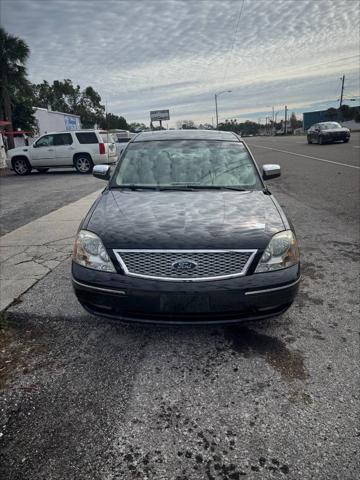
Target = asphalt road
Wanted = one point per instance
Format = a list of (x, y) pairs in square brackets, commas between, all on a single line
[(321, 176), (85, 398), (23, 199)]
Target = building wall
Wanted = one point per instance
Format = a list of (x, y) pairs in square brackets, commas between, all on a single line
[(49, 121), (314, 117), (320, 116)]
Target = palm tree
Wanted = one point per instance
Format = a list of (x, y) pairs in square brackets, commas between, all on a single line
[(13, 55)]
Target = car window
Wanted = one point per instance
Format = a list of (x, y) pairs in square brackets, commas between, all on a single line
[(63, 139), (195, 162), (45, 141), (86, 137), (107, 137), (330, 125)]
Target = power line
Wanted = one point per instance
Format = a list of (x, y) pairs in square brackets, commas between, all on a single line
[(337, 86), (261, 77), (233, 40), (332, 61)]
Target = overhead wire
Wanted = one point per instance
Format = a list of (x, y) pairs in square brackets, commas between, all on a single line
[(233, 40)]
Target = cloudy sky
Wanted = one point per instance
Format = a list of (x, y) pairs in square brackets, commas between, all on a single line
[(142, 55)]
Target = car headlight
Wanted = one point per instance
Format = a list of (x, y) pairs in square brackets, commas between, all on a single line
[(282, 252), (90, 252)]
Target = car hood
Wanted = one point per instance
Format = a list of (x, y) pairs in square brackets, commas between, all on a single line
[(337, 130), (17, 150), (185, 220)]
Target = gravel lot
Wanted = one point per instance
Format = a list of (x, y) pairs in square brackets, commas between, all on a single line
[(85, 398)]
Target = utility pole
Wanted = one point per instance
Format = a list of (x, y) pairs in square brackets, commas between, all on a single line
[(342, 90), (285, 128), (216, 111), (216, 105)]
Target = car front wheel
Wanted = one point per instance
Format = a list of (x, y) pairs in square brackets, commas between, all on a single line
[(320, 140), (346, 140), (309, 140), (83, 163), (21, 166)]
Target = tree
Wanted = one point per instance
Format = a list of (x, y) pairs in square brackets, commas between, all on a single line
[(245, 128), (23, 113), (137, 127), (331, 113), (113, 122), (14, 53), (294, 122), (186, 125), (346, 112), (65, 97)]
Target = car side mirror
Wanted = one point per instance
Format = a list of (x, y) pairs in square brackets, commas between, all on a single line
[(102, 172), (271, 171)]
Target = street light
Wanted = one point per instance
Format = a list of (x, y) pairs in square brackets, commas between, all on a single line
[(216, 105)]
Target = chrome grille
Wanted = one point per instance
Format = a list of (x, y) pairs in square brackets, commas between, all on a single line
[(161, 264)]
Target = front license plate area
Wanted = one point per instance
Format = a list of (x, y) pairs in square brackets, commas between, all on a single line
[(184, 303)]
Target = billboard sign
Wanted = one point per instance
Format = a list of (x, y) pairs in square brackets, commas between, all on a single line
[(159, 115)]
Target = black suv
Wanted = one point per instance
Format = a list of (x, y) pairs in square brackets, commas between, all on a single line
[(186, 232)]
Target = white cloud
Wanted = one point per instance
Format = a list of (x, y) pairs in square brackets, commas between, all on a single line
[(153, 54)]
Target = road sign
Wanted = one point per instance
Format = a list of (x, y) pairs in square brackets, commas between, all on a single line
[(156, 115)]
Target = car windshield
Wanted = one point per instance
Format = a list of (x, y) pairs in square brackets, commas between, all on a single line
[(330, 125), (186, 163)]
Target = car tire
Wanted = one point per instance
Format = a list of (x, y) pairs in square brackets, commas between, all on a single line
[(309, 141), (83, 163), (346, 140), (320, 140), (21, 165), (42, 170)]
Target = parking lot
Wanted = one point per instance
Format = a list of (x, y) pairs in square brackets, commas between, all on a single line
[(86, 398)]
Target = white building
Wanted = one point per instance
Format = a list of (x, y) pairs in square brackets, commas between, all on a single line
[(50, 121)]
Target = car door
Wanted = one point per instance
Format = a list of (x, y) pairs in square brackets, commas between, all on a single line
[(64, 149), (314, 135), (42, 152)]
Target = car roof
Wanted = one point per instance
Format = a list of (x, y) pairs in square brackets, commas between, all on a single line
[(81, 130), (186, 135)]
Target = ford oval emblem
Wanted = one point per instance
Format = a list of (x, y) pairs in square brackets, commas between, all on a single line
[(184, 265)]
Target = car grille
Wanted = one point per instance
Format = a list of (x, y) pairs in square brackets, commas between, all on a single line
[(185, 265)]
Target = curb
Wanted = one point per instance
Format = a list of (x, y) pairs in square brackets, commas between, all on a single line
[(32, 251)]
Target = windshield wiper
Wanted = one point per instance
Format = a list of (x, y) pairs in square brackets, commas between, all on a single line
[(184, 188), (181, 188), (133, 186), (220, 187)]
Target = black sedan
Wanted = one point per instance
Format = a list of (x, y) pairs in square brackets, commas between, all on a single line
[(186, 232), (327, 132)]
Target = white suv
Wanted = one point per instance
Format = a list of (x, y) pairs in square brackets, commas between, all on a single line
[(80, 149)]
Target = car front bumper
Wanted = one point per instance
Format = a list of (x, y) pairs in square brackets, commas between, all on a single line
[(252, 297), (336, 137)]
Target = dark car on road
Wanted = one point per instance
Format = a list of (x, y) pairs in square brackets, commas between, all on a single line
[(327, 132), (186, 232)]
